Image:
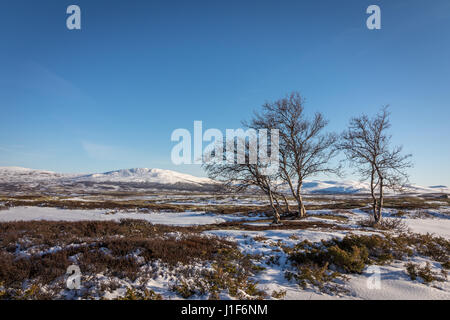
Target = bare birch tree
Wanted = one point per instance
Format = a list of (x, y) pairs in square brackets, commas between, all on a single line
[(368, 148), (242, 175), (305, 151)]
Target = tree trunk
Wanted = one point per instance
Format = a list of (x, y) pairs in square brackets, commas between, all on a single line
[(288, 210), (380, 202), (375, 211), (374, 198), (301, 212), (280, 209), (276, 215), (301, 208), (298, 196)]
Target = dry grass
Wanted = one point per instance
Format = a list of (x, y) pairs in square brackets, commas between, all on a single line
[(36, 254), (115, 203), (334, 217), (150, 205)]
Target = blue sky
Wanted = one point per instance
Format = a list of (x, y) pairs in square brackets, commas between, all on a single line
[(108, 96)]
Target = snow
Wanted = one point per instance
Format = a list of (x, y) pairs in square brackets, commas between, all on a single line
[(355, 187), (169, 177), (439, 227), (334, 187), (168, 218), (18, 174), (394, 281), (395, 284), (144, 175)]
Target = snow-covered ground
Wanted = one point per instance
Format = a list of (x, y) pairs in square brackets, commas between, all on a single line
[(167, 218), (394, 283), (439, 227), (436, 226)]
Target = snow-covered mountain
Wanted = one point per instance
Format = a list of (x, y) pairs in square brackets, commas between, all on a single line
[(354, 187), (335, 187), (22, 178), (136, 175), (144, 175), (19, 174)]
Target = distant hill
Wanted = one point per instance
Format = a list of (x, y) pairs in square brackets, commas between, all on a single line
[(144, 175), (22, 179)]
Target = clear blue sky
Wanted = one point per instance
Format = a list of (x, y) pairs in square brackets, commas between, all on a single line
[(109, 96)]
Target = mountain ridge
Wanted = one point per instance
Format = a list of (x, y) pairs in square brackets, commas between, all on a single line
[(161, 177)]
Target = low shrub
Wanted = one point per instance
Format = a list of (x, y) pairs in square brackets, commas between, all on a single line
[(231, 273), (425, 273), (40, 252), (386, 224), (280, 294), (322, 262), (133, 294)]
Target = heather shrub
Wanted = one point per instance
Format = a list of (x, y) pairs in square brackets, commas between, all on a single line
[(425, 273), (322, 262)]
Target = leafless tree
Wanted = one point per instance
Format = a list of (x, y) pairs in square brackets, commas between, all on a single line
[(241, 175), (368, 148), (305, 151)]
